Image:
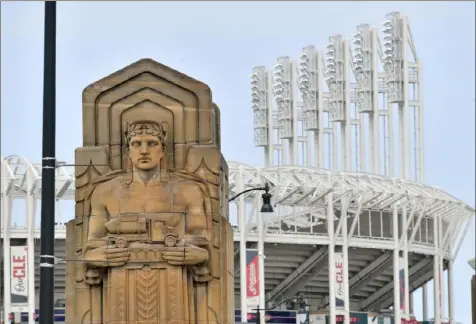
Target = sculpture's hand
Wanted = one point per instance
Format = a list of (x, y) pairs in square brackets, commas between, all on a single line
[(185, 255), (107, 256)]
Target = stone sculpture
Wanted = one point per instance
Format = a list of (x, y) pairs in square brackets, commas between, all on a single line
[(151, 236)]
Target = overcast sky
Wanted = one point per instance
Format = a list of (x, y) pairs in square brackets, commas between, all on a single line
[(219, 43)]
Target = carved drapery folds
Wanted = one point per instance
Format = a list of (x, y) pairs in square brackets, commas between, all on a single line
[(147, 90)]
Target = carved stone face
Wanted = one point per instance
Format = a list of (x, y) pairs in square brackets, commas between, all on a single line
[(145, 151)]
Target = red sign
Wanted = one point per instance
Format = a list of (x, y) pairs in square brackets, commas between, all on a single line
[(252, 278)]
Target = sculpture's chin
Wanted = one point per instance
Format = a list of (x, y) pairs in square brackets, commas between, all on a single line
[(147, 166)]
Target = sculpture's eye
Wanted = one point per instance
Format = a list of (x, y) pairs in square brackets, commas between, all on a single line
[(152, 143), (135, 144)]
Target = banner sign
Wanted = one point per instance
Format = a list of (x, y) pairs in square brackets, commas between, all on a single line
[(252, 280), (401, 274), (360, 318), (271, 317), (19, 275), (339, 280)]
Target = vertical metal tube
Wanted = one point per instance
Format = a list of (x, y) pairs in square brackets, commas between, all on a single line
[(332, 271), (261, 277), (346, 126), (440, 268), (374, 118), (30, 215), (396, 267), (345, 255), (271, 139), (242, 226), (436, 270), (421, 124), (48, 169), (405, 258), (424, 296), (450, 293), (405, 129), (294, 142), (319, 135)]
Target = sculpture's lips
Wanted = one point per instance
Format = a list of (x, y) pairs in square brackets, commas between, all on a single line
[(144, 160)]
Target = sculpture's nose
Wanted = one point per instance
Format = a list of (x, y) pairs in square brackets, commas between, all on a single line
[(144, 149)]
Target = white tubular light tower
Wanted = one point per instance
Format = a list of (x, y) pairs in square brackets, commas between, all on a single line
[(262, 110), (337, 77), (310, 87), (396, 66), (366, 74), (283, 90)]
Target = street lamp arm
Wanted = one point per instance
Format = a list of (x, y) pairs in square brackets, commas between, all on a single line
[(265, 188), (245, 191)]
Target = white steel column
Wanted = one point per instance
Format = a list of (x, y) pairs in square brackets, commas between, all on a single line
[(345, 256), (345, 128), (261, 230), (269, 154), (436, 270), (242, 226), (396, 267), (374, 118), (30, 204), (451, 314), (294, 141), (440, 267), (319, 134), (405, 258), (332, 271), (403, 116), (424, 295), (421, 143), (6, 225)]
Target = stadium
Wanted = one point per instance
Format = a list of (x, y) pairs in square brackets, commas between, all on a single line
[(354, 231)]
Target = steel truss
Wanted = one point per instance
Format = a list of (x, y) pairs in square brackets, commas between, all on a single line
[(309, 204)]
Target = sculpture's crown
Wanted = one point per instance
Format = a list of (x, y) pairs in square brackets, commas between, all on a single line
[(146, 127)]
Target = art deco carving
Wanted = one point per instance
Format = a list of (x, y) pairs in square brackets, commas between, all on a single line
[(151, 234)]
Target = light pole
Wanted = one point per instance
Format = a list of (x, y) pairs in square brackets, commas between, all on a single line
[(47, 259), (266, 207)]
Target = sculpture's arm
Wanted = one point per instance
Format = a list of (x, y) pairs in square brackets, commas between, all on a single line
[(197, 226), (196, 214), (98, 218), (97, 252)]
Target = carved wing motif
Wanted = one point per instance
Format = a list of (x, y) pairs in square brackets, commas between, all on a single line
[(91, 165)]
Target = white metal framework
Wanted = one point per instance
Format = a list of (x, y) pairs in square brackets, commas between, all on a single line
[(353, 108), (383, 214)]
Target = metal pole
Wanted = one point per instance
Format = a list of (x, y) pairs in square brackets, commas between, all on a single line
[(396, 267), (436, 274), (406, 281), (424, 296), (261, 277), (242, 226), (331, 251), (48, 169), (450, 293), (345, 253)]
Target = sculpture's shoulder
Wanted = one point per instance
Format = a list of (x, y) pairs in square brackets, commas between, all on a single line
[(186, 182), (181, 178), (106, 184)]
